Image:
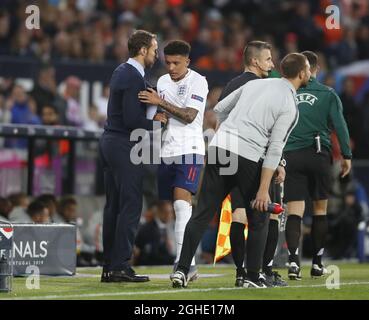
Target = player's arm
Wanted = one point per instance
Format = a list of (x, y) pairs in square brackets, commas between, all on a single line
[(225, 106), (339, 124), (186, 114), (150, 96)]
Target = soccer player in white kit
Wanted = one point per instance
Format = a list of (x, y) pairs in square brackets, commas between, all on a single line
[(182, 93)]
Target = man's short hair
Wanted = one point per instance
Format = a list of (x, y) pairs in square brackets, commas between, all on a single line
[(312, 58), (253, 49), (139, 39), (292, 64), (177, 47), (47, 199), (36, 207)]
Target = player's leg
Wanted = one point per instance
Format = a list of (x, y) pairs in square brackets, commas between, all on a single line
[(319, 229), (183, 210), (272, 277), (248, 180), (295, 211), (237, 235), (214, 189), (186, 181), (319, 188), (272, 242), (296, 190)]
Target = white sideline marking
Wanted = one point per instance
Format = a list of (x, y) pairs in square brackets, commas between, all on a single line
[(114, 294)]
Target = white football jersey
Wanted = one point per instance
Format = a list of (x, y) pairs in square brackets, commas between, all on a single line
[(179, 137)]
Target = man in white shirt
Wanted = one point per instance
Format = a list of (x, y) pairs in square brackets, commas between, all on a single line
[(182, 93)]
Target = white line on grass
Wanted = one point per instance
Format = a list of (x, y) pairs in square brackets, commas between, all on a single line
[(117, 294)]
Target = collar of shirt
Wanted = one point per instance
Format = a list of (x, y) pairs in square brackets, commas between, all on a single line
[(137, 65), (290, 85)]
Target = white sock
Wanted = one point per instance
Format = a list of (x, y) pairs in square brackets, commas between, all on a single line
[(183, 211)]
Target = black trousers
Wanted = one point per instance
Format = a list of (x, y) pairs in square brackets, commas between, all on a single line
[(122, 211), (214, 189)]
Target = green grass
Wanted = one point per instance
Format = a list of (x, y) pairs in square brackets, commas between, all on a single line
[(354, 284)]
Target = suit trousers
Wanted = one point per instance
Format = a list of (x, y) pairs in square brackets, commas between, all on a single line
[(122, 211)]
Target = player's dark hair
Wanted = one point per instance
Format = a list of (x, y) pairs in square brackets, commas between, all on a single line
[(177, 47), (312, 58), (253, 49), (139, 39), (292, 64)]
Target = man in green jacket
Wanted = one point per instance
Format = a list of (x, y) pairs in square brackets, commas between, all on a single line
[(308, 156)]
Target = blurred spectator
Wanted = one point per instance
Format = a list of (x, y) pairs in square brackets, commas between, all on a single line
[(351, 110), (5, 34), (346, 51), (66, 211), (20, 204), (71, 95), (362, 149), (49, 115), (50, 202), (5, 114), (5, 209), (92, 123), (22, 44), (45, 92), (343, 228), (309, 34), (330, 80), (102, 104), (38, 212), (21, 110), (62, 46), (363, 42), (153, 244)]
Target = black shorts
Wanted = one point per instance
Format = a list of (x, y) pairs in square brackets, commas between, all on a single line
[(308, 174), (237, 201)]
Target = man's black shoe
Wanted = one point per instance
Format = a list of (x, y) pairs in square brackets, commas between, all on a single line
[(127, 275)]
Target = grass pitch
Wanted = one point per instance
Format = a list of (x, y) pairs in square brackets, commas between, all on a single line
[(218, 284)]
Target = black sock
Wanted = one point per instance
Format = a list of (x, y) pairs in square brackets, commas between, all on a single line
[(237, 239), (293, 231), (319, 229), (258, 223), (270, 246)]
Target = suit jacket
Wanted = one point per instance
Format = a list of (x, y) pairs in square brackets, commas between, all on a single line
[(125, 111)]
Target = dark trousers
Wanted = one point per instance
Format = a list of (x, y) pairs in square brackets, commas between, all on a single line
[(214, 189), (123, 187)]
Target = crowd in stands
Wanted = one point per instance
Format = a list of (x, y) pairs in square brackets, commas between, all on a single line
[(217, 31)]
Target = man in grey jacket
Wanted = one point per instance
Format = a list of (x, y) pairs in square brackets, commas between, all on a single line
[(255, 120)]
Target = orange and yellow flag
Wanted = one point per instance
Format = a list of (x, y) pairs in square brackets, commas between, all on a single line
[(223, 246)]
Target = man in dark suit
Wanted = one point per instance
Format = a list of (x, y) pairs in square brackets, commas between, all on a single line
[(123, 178)]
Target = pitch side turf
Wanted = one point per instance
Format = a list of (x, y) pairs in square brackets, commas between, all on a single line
[(216, 283)]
